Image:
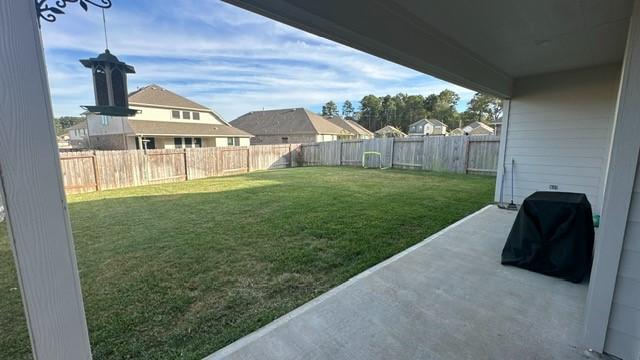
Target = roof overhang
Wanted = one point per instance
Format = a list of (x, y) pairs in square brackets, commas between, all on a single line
[(179, 129), (480, 45), (133, 103), (188, 135), (376, 31)]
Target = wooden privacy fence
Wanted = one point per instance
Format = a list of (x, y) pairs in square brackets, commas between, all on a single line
[(459, 154), (87, 171)]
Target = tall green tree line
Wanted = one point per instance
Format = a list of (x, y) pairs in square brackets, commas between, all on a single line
[(62, 123), (401, 110)]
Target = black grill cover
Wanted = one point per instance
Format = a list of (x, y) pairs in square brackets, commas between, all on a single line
[(553, 235)]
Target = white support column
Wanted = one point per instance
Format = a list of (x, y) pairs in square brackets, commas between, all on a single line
[(623, 159), (36, 207)]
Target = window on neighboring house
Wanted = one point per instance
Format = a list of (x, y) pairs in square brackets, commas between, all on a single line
[(148, 143), (104, 120), (186, 115), (197, 142), (196, 115), (285, 140), (188, 142), (175, 114), (177, 142), (230, 141)]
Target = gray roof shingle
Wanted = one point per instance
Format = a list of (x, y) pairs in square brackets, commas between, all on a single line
[(297, 121), (157, 95), (390, 130), (434, 122), (359, 128)]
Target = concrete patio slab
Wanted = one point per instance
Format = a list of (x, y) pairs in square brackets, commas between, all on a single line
[(447, 297)]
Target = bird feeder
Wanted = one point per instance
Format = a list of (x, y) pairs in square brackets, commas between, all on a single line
[(109, 85)]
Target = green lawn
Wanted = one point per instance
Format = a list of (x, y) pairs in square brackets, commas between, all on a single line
[(177, 271)]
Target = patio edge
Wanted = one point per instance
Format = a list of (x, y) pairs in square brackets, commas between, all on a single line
[(257, 334)]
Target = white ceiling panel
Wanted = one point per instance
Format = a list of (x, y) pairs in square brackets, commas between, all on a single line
[(530, 37)]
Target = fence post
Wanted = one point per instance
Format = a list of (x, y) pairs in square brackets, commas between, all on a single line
[(186, 165), (340, 154), (425, 156), (393, 144), (96, 177), (467, 145), (248, 158), (290, 157)]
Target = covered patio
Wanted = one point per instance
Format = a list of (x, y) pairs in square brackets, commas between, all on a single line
[(569, 72), (447, 297)]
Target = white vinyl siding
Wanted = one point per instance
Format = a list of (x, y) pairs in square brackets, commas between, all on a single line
[(173, 115), (623, 333), (322, 138), (559, 133)]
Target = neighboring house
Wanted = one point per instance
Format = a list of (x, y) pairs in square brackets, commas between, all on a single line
[(478, 128), (63, 141), (425, 127), (456, 132), (390, 131), (284, 126), (165, 120), (356, 130), (78, 135), (363, 132)]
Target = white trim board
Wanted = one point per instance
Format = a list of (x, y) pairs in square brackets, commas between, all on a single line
[(623, 160), (30, 175)]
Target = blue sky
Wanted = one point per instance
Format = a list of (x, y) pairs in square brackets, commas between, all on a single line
[(221, 56)]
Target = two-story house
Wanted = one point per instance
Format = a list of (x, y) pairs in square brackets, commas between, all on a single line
[(78, 135), (165, 120), (424, 127)]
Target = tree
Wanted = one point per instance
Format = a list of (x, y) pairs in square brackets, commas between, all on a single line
[(401, 110), (347, 109), (64, 122), (414, 108), (389, 110), (430, 103), (330, 109), (370, 108), (485, 108), (445, 108)]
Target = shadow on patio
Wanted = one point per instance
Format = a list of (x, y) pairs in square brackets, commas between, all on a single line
[(448, 297)]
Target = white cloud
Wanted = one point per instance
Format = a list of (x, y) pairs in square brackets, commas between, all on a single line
[(221, 56)]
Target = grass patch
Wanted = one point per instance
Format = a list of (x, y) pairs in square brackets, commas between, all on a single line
[(177, 271)]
